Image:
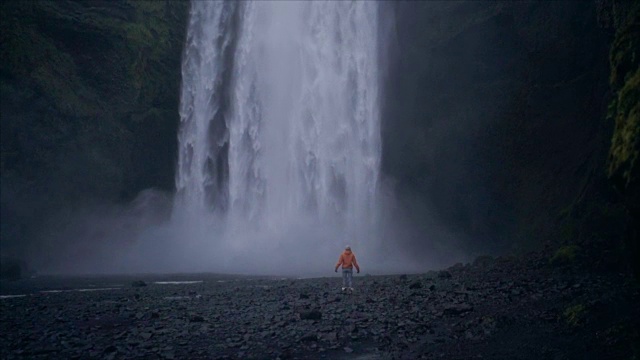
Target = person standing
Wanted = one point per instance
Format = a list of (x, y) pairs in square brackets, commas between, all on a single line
[(348, 261)]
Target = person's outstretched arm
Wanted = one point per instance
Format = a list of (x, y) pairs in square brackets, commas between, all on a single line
[(340, 261), (355, 263)]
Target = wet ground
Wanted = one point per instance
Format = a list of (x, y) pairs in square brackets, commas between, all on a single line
[(505, 308)]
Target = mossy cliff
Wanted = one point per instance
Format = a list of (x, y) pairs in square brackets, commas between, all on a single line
[(624, 111), (89, 110)]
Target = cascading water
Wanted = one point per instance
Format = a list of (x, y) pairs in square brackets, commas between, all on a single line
[(280, 124)]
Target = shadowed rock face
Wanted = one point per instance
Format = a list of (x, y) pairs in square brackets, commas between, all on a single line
[(496, 117), (624, 111)]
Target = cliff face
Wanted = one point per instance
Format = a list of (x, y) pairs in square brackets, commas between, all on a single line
[(496, 117), (624, 111), (89, 110)]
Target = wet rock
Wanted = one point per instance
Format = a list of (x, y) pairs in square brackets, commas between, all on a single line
[(138, 283), (196, 318), (347, 349), (330, 337), (311, 315), (309, 337), (457, 309)]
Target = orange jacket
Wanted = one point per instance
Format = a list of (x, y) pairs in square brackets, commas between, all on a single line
[(347, 260)]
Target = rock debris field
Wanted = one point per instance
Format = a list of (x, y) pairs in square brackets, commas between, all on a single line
[(503, 308)]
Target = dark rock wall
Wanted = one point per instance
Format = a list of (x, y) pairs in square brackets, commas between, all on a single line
[(89, 110), (624, 112), (496, 117)]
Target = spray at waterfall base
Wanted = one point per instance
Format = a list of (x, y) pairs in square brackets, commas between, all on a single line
[(279, 150)]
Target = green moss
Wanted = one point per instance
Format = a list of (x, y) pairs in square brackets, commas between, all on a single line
[(575, 315), (624, 110), (565, 255), (625, 144)]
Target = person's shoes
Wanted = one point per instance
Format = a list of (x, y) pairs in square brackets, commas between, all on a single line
[(351, 290), (343, 289)]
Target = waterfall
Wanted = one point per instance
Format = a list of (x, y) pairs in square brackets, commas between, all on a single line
[(280, 122)]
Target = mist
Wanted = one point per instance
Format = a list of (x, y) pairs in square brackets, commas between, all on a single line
[(278, 161), (417, 133), (145, 237)]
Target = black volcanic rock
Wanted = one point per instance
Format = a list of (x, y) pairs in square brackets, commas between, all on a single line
[(311, 315), (137, 284)]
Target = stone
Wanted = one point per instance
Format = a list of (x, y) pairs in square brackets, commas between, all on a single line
[(311, 315), (138, 283), (330, 337), (457, 309), (309, 337), (196, 318)]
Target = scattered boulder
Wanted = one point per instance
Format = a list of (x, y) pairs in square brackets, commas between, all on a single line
[(309, 337), (330, 337), (138, 283), (196, 318), (311, 315), (457, 309)]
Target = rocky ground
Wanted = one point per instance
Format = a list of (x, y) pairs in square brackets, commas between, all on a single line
[(504, 308)]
